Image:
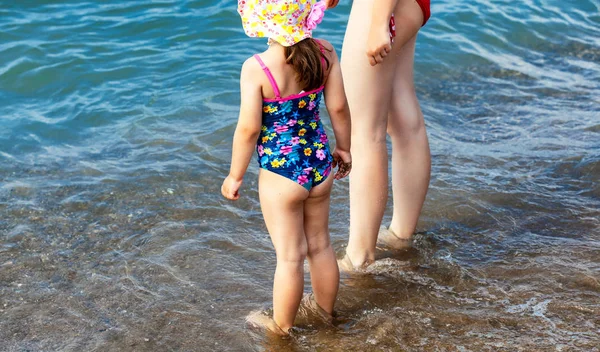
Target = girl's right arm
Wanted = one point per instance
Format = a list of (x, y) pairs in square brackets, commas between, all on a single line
[(247, 130), (337, 106)]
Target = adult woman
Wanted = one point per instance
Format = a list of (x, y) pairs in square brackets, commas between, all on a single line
[(378, 79)]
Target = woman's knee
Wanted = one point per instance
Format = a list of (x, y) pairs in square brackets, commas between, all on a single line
[(369, 122), (368, 135), (406, 123)]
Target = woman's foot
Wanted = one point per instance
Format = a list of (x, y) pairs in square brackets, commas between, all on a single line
[(261, 321), (346, 265), (387, 238)]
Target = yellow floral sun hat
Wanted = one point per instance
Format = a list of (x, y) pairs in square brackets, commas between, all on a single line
[(285, 21)]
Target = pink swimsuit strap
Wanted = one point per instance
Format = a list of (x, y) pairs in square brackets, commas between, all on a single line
[(269, 76)]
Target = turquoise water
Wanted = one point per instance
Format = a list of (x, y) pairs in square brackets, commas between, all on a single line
[(116, 123)]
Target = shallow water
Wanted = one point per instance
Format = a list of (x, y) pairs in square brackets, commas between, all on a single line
[(116, 128)]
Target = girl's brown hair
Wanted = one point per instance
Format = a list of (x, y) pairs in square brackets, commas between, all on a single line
[(305, 57)]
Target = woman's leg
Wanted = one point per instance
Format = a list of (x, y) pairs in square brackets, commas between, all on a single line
[(411, 160), (324, 273), (369, 92), (282, 204)]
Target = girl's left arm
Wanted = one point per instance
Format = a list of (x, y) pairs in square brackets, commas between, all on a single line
[(247, 130), (337, 106)]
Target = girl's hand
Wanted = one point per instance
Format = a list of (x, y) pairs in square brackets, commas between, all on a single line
[(343, 160), (379, 43), (230, 188)]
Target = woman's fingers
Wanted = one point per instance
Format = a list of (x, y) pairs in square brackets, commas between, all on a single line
[(377, 57), (384, 52), (372, 61), (378, 45)]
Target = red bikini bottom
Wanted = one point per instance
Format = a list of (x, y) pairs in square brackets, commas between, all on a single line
[(426, 8)]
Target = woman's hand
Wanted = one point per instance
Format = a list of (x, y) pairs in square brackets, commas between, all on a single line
[(379, 43), (230, 188), (343, 160), (332, 3)]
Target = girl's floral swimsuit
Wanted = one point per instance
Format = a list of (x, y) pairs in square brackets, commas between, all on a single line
[(293, 142)]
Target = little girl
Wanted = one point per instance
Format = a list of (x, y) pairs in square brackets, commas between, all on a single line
[(281, 90)]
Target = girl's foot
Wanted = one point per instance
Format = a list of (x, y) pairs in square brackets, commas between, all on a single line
[(387, 238), (312, 308), (261, 321)]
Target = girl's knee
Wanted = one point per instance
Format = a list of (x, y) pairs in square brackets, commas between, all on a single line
[(319, 246), (293, 255)]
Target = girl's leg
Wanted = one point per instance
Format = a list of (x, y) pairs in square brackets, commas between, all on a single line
[(411, 160), (282, 204), (369, 91), (324, 273)]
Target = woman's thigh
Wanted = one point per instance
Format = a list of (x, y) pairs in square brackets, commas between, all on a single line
[(405, 116), (370, 88)]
